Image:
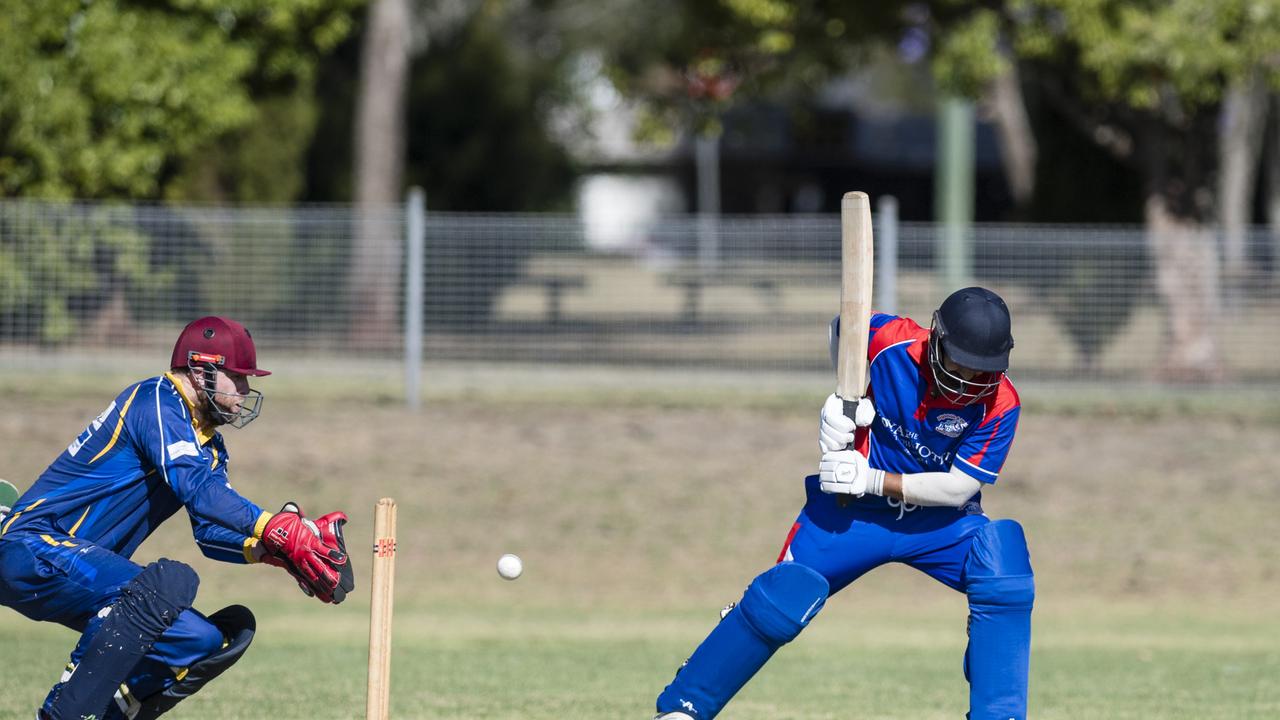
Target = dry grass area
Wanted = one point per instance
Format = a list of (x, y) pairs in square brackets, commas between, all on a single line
[(650, 506)]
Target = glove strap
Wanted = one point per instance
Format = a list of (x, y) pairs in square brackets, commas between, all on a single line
[(875, 482)]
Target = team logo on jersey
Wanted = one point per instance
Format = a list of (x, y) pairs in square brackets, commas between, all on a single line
[(951, 425)]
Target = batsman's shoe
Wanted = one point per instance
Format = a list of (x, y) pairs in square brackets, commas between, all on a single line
[(673, 716), (727, 609)]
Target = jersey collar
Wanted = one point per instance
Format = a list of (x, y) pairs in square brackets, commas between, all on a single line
[(204, 430)]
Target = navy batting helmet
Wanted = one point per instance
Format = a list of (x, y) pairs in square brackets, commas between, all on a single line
[(972, 329)]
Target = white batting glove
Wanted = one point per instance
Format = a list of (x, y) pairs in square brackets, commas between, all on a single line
[(835, 431), (846, 472)]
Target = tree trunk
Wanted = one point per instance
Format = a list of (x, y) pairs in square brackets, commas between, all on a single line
[(379, 147), (1273, 188), (1244, 113), (1018, 148), (1187, 278), (112, 325)]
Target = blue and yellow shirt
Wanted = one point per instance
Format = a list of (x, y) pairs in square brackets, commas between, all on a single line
[(133, 467)]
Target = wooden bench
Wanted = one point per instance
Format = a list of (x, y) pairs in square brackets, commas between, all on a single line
[(768, 281), (554, 285)]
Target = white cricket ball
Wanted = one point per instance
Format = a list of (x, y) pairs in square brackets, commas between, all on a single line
[(510, 567)]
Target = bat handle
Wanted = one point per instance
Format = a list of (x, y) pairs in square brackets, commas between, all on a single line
[(850, 411)]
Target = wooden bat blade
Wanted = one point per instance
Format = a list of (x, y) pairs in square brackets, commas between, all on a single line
[(857, 257)]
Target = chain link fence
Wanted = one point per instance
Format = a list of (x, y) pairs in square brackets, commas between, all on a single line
[(107, 284)]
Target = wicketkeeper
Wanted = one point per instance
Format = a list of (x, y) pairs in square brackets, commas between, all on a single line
[(155, 449), (934, 430)]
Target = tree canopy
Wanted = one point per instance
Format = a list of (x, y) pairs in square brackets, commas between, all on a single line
[(694, 57), (110, 98)]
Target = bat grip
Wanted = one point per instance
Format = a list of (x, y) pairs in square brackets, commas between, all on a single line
[(850, 411)]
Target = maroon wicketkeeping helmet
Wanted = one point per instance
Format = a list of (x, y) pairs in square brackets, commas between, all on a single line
[(220, 341), (216, 343)]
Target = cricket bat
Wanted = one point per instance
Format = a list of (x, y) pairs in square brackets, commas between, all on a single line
[(857, 256)]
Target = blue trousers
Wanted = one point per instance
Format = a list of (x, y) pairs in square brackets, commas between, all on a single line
[(843, 543), (68, 580)]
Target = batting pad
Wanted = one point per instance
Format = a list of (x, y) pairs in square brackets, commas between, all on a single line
[(1001, 589), (777, 605)]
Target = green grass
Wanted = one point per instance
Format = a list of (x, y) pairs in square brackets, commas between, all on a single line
[(516, 662)]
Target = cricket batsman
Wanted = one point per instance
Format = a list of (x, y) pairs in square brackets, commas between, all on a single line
[(900, 482), (65, 545)]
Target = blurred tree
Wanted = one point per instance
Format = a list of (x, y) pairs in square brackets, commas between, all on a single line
[(1240, 143), (1142, 79), (120, 98), (1145, 80), (693, 58), (142, 99), (58, 269), (484, 78), (480, 107), (379, 161), (395, 30)]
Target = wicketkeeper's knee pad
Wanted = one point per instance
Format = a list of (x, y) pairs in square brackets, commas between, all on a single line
[(1001, 589), (238, 626), (778, 604), (148, 605)]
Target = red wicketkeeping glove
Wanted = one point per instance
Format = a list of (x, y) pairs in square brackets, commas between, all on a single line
[(330, 527), (297, 544)]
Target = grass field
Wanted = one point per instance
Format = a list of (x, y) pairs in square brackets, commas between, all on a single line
[(1152, 535)]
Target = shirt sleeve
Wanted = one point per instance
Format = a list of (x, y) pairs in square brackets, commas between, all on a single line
[(220, 543), (982, 453), (878, 321), (166, 439)]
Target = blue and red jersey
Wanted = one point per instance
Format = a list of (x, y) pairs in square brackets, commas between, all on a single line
[(916, 430), (132, 468)]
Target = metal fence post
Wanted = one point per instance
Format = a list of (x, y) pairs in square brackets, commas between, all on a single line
[(886, 284), (415, 229), (707, 161), (954, 192)]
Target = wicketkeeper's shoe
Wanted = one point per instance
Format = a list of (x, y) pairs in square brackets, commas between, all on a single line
[(674, 716)]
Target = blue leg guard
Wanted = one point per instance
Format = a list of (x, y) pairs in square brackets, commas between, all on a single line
[(147, 606), (238, 626), (778, 604), (1001, 590)]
